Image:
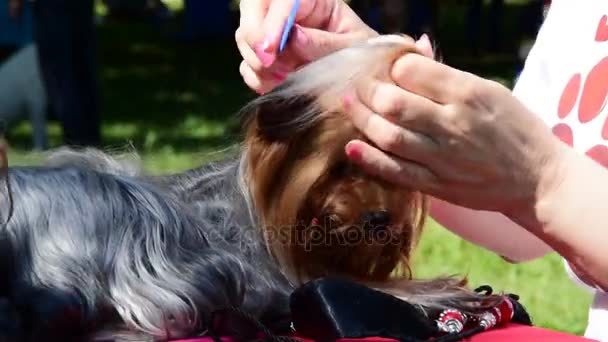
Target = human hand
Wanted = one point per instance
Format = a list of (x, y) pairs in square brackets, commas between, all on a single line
[(452, 135), (321, 27)]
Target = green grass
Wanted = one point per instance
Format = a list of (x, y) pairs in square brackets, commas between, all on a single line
[(177, 103)]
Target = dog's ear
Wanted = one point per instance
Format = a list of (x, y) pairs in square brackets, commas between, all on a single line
[(282, 118), (280, 115)]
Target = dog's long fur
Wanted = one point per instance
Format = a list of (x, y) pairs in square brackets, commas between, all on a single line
[(94, 246)]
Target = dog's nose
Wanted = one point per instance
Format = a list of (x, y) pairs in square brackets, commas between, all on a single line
[(376, 219)]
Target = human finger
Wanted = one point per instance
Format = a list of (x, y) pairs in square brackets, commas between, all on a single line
[(310, 13), (261, 82), (386, 135), (252, 12), (428, 78), (284, 66), (312, 44), (400, 107), (246, 51), (397, 171), (272, 28)]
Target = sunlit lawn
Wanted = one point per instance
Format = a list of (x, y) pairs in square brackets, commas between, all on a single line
[(552, 299), (177, 104)]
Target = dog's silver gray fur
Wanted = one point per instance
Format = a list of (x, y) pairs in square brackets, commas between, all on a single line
[(94, 244), (91, 232)]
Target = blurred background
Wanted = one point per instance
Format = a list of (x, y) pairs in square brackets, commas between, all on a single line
[(162, 76)]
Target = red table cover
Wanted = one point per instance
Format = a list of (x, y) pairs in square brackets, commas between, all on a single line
[(510, 333)]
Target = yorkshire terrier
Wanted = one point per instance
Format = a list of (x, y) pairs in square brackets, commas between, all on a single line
[(94, 249)]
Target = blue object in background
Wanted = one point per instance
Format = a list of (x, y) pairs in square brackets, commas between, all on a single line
[(16, 32), (289, 25), (208, 18)]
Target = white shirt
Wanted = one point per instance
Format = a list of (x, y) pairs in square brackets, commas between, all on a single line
[(565, 81)]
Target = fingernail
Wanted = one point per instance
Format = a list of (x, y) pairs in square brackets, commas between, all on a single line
[(425, 38), (354, 151), (347, 100), (424, 41), (264, 54), (265, 46)]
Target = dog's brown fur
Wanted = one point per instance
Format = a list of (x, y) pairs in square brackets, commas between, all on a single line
[(311, 196), (299, 173), (307, 177), (311, 201)]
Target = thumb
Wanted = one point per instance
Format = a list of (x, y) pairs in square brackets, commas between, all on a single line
[(312, 44)]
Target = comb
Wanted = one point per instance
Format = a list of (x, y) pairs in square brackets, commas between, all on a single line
[(289, 25)]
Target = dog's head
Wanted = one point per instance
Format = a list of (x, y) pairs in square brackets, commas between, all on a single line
[(320, 213)]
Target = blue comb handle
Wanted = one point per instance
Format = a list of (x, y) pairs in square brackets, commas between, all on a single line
[(289, 25)]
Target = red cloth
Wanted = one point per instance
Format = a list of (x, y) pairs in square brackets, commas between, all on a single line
[(510, 333), (522, 333)]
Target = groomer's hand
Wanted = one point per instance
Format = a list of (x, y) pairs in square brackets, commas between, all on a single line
[(452, 135), (321, 26)]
